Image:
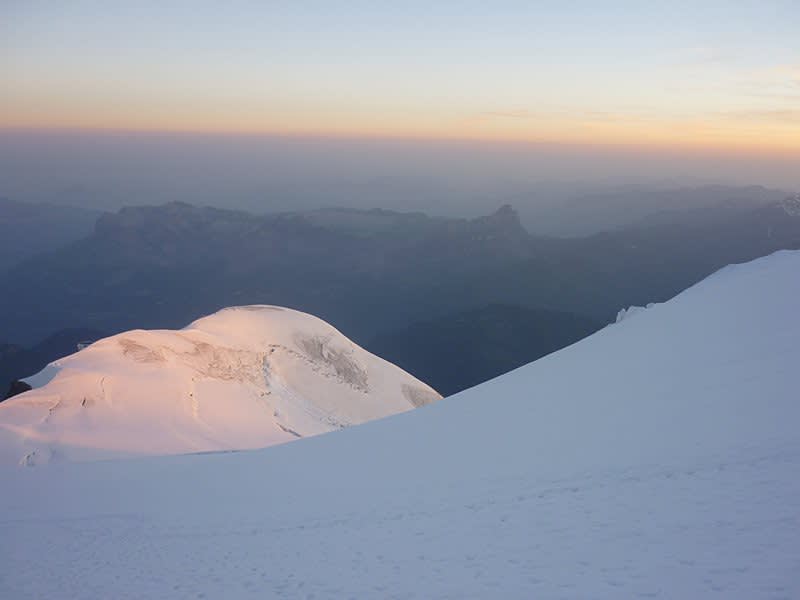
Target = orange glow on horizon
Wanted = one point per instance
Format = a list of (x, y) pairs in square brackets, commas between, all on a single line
[(718, 136), (686, 78)]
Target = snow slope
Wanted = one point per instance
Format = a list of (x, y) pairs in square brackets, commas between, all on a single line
[(245, 377), (657, 458)]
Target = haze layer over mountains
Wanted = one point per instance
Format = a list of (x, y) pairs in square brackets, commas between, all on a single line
[(545, 182), (656, 457)]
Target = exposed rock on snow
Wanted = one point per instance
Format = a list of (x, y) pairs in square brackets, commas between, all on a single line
[(627, 313), (244, 377), (16, 387)]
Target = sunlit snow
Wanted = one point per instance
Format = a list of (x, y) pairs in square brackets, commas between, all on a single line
[(656, 459), (244, 377)]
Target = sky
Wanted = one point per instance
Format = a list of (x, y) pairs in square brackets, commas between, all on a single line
[(712, 74), (405, 105)]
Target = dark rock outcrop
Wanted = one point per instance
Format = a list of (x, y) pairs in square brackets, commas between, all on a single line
[(17, 387), (16, 362)]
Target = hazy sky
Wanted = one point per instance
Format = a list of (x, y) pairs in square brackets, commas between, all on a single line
[(701, 73), (437, 106)]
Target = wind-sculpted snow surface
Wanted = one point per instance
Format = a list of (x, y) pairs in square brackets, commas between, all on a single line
[(244, 377), (657, 458)]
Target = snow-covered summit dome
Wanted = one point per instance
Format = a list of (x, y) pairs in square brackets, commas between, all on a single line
[(244, 377)]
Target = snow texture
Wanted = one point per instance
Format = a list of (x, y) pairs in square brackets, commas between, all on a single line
[(245, 377), (657, 458)]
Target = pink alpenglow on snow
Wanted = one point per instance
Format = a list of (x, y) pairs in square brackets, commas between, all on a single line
[(244, 377)]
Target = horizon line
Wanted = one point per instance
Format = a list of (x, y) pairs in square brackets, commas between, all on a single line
[(586, 144)]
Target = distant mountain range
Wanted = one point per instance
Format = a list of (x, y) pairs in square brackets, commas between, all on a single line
[(567, 213), (374, 273), (158, 266)]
